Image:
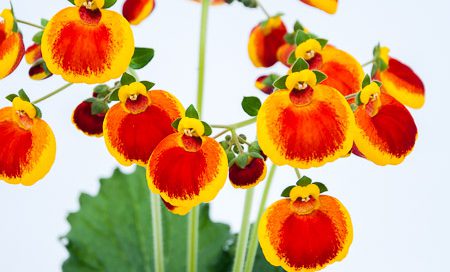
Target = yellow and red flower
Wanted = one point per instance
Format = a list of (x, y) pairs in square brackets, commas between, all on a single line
[(329, 6), (135, 126), (305, 125), (265, 39), (401, 82), (249, 176), (344, 72), (33, 53), (27, 144), (386, 132), (38, 69), (135, 11), (284, 52), (306, 231), (187, 167), (90, 124), (265, 84), (12, 48), (87, 44)]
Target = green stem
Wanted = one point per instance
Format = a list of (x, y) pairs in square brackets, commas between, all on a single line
[(350, 96), (193, 222), (297, 172), (239, 258), (52, 93), (235, 140), (30, 24), (253, 242), (237, 125), (368, 63), (158, 244), (221, 133), (262, 8)]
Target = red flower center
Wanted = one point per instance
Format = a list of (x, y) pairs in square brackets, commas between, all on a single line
[(91, 17), (301, 97)]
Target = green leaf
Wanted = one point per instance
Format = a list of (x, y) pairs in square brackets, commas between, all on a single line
[(280, 83), (298, 26), (114, 96), (141, 57), (11, 97), (191, 112), (101, 89), (321, 77), (242, 160), (377, 51), (287, 191), (299, 65), (290, 38), (127, 79), (23, 95), (353, 106), (256, 155), (379, 83), (251, 105), (270, 79), (254, 147), (323, 42), (358, 99), (148, 84), (37, 38), (304, 181), (44, 22), (301, 37), (231, 157), (38, 111), (112, 231), (321, 186), (374, 70), (366, 81), (176, 123), (292, 58), (99, 106), (208, 129), (381, 64)]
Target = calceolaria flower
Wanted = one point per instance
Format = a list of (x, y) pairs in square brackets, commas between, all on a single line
[(305, 124), (27, 144), (87, 44), (265, 39), (386, 132), (135, 11), (135, 126), (253, 173), (399, 81), (11, 44), (329, 6), (38, 69), (88, 122), (188, 167), (306, 231)]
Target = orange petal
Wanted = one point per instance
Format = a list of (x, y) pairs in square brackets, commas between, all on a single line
[(308, 135), (176, 209), (403, 84), (186, 171), (329, 6), (284, 52), (11, 50), (389, 136), (39, 71), (91, 125), (305, 242), (265, 39), (87, 46), (131, 138), (27, 154), (250, 176), (33, 53), (344, 72), (135, 11)]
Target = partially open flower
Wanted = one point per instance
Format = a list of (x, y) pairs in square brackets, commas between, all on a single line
[(329, 6), (265, 39), (305, 125), (135, 11), (386, 132), (344, 72), (264, 83), (249, 176), (39, 71), (284, 52), (187, 167), (136, 125), (87, 44), (33, 53), (306, 231), (27, 144), (11, 44), (90, 124), (401, 82)]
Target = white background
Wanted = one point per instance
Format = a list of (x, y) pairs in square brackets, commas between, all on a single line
[(400, 214)]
